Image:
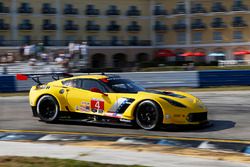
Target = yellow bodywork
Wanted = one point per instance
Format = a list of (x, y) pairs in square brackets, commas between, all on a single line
[(72, 99)]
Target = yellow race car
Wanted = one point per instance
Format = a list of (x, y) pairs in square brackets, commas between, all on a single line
[(109, 98)]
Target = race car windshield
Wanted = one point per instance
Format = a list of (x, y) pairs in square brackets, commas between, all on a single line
[(123, 86)]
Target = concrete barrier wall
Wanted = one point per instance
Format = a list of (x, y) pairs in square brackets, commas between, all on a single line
[(224, 78), (8, 83)]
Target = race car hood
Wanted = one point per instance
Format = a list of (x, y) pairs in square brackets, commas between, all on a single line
[(181, 97)]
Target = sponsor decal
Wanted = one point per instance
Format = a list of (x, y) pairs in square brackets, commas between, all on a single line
[(97, 105), (77, 107), (83, 107), (114, 115), (121, 105), (125, 120)]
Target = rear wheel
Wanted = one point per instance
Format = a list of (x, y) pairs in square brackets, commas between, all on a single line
[(48, 108), (148, 115)]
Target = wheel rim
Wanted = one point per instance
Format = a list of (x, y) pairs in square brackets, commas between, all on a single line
[(47, 109), (147, 116)]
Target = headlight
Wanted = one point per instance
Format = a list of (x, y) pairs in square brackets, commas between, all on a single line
[(174, 103), (42, 87)]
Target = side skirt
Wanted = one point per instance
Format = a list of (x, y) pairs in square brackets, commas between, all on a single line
[(81, 117)]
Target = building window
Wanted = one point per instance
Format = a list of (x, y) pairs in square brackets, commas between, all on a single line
[(181, 21), (134, 26), (218, 7), (180, 25), (47, 9), (239, 6), (25, 8), (197, 37), (237, 35), (198, 8), (46, 21), (238, 21), (159, 10), (133, 40), (69, 9), (46, 40), (180, 8), (217, 36), (2, 40), (70, 38), (159, 39), (4, 9), (133, 11), (25, 25), (114, 41), (92, 40), (26, 39), (237, 3), (181, 37), (159, 26), (91, 10), (113, 10)]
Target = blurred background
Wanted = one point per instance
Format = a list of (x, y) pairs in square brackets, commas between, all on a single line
[(143, 35)]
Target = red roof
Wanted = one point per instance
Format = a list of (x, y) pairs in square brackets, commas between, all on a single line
[(189, 54), (242, 52), (199, 54), (165, 53)]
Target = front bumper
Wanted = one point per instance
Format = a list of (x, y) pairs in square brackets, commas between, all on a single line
[(197, 117), (200, 125)]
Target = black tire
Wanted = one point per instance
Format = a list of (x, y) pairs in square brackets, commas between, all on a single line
[(48, 109), (148, 115)]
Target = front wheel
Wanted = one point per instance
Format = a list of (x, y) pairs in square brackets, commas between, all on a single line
[(48, 108), (148, 115)]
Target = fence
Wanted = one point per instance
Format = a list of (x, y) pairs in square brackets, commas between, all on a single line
[(223, 63), (8, 83)]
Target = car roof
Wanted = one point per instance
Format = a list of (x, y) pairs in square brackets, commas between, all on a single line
[(90, 76), (97, 77)]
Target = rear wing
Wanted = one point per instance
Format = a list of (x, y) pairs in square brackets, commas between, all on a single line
[(36, 77)]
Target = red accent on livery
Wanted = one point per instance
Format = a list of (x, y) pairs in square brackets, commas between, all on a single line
[(105, 80), (97, 104)]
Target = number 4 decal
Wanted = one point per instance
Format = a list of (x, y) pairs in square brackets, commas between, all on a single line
[(97, 105)]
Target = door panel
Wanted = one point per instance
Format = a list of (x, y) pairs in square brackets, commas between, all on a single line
[(76, 98), (85, 101)]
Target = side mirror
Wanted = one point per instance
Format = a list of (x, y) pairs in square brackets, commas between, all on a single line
[(96, 90)]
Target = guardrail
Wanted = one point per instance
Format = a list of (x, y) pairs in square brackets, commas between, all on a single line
[(164, 79), (8, 83)]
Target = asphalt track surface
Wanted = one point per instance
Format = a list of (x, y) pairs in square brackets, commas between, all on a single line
[(228, 111)]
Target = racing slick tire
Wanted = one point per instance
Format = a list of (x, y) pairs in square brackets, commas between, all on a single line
[(48, 109), (148, 115)]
